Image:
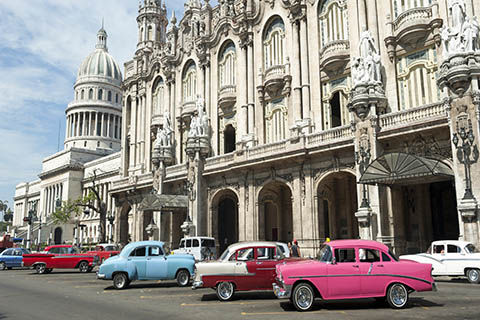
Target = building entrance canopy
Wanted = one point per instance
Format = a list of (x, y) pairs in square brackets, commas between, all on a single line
[(163, 202), (403, 168)]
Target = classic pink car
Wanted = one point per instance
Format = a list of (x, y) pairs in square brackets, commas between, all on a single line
[(352, 269)]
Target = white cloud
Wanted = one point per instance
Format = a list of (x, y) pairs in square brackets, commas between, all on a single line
[(42, 44)]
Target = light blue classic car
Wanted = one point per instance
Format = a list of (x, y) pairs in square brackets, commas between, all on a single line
[(146, 260), (11, 258)]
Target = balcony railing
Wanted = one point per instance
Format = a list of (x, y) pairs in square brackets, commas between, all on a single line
[(334, 47), (407, 117), (331, 135), (267, 149), (219, 160), (412, 15), (274, 71)]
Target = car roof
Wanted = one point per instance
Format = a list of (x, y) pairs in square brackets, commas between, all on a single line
[(357, 243), (243, 244), (129, 247), (456, 242)]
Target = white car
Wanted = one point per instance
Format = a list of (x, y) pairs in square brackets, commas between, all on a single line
[(202, 248), (451, 258), (284, 248)]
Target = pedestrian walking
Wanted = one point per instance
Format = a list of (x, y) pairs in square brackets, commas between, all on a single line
[(295, 249)]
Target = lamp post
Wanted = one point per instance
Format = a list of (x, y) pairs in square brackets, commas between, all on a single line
[(151, 228), (362, 158), (467, 154), (111, 218), (29, 219), (39, 237)]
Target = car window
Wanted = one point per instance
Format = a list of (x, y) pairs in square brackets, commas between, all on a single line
[(265, 253), (385, 257), (279, 253), (344, 255), (18, 252), (8, 252), (470, 248), (182, 244), (438, 248), (111, 248), (451, 248), (368, 255), (245, 254), (155, 251), (138, 252), (55, 250), (208, 243), (324, 254), (189, 243), (196, 243)]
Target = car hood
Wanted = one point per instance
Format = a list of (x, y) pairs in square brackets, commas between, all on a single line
[(180, 256)]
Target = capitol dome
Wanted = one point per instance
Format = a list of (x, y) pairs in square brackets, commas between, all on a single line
[(100, 64)]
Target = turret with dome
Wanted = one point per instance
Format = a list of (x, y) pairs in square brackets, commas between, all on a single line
[(94, 117)]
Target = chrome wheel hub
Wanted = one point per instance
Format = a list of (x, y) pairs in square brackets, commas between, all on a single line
[(398, 295), (226, 290), (119, 282), (304, 297), (474, 274)]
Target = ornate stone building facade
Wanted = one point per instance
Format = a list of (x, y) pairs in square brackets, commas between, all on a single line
[(306, 119), (304, 100)]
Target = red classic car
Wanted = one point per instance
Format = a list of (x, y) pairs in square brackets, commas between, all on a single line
[(352, 269), (242, 266), (104, 251), (61, 257)]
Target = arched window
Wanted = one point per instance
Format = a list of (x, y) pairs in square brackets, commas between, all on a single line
[(140, 35), (273, 44), (82, 95), (100, 94), (333, 21), (226, 66), (335, 103), (158, 97), (109, 96), (150, 33), (400, 6), (416, 77), (276, 116), (116, 98), (90, 94), (190, 83), (229, 139)]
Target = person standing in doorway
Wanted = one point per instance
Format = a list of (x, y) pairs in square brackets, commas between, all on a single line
[(295, 249)]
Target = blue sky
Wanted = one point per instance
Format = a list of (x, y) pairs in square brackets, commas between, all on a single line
[(42, 44)]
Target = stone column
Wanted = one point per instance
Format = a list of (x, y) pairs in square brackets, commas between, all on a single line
[(296, 76), (372, 20), (242, 82), (251, 90), (362, 15), (201, 82), (305, 74), (133, 134)]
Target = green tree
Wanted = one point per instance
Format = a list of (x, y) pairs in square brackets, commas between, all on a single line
[(71, 209)]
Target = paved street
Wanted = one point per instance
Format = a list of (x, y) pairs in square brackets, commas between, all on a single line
[(71, 295)]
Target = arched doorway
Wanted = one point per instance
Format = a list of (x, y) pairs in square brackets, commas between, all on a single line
[(229, 139), (275, 213), (226, 219), (57, 238), (337, 204)]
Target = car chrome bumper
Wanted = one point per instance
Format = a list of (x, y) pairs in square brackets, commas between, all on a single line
[(280, 292), (197, 284), (101, 276)]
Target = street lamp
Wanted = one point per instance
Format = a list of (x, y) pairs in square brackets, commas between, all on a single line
[(464, 151), (151, 228), (29, 219), (362, 158), (111, 218)]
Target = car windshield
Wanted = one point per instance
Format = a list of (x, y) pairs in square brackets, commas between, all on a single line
[(208, 243), (324, 254), (224, 255), (470, 248), (73, 250)]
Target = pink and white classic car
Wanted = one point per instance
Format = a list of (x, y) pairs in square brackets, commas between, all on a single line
[(352, 269)]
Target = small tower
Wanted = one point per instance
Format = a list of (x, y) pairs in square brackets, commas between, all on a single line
[(152, 23)]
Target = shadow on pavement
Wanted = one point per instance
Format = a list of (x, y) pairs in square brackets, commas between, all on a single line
[(141, 286), (360, 304), (240, 296), (453, 280)]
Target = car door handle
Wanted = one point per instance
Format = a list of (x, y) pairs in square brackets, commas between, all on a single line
[(380, 265), (149, 258), (259, 262), (355, 266)]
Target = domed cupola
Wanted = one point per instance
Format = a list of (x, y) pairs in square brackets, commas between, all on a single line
[(94, 117), (100, 64)]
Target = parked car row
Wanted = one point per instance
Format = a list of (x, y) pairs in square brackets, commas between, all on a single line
[(343, 269)]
